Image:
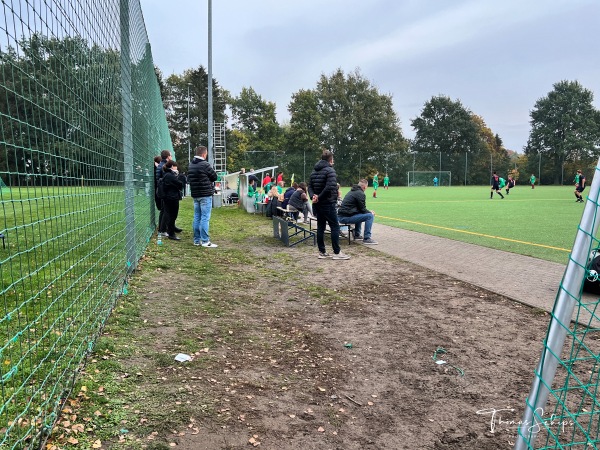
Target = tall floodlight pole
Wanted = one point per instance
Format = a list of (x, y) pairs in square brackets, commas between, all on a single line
[(189, 133), (466, 159), (211, 157), (304, 178)]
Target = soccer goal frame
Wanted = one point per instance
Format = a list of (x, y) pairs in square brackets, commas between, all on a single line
[(425, 177)]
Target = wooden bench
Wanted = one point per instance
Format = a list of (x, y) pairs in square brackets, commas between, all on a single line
[(350, 227), (287, 213), (291, 233)]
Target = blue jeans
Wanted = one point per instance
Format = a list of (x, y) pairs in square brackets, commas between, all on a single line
[(202, 210), (358, 219), (326, 214)]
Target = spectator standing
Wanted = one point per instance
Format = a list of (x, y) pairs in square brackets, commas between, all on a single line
[(201, 177), (165, 156), (354, 211), (266, 181), (172, 194), (580, 187), (183, 179), (322, 188)]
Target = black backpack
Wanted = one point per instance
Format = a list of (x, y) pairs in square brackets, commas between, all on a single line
[(160, 189), (591, 283)]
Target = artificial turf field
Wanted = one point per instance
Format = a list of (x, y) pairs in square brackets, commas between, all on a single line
[(540, 222)]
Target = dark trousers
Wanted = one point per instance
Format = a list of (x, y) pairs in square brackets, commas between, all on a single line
[(171, 210), (327, 214)]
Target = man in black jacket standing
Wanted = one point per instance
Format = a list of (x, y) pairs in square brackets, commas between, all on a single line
[(322, 188), (201, 177), (354, 210)]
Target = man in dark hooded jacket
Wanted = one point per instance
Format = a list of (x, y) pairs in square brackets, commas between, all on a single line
[(354, 210), (322, 188)]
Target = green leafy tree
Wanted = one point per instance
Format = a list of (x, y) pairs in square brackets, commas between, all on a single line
[(194, 81), (258, 140), (303, 135), (346, 114), (494, 156), (565, 127), (447, 131)]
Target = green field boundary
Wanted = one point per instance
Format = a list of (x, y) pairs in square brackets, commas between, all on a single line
[(473, 233)]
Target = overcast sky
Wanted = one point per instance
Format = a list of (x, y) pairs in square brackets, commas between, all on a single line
[(496, 56)]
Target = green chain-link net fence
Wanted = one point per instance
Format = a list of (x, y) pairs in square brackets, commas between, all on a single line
[(81, 119), (563, 409)]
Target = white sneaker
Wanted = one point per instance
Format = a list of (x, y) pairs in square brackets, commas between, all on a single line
[(341, 255), (209, 245), (324, 255)]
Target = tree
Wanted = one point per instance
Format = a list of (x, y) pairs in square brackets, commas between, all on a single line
[(303, 135), (565, 127), (176, 105), (255, 126), (349, 116), (449, 132)]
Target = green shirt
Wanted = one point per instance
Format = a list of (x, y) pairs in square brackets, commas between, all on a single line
[(532, 179), (386, 181)]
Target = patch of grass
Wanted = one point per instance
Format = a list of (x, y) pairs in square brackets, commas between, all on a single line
[(324, 294)]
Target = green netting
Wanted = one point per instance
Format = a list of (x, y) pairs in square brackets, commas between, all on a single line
[(562, 410), (81, 119)]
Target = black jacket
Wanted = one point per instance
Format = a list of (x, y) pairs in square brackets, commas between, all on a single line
[(201, 177), (172, 185), (286, 197), (323, 183), (296, 199), (354, 202)]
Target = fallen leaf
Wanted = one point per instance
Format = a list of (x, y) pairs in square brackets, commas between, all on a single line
[(97, 444), (73, 441), (321, 430)]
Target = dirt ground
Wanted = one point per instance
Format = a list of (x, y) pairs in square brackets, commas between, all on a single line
[(293, 352)]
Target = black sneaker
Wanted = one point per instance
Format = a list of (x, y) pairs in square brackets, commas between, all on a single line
[(177, 230)]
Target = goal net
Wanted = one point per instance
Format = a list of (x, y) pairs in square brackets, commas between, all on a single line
[(429, 178), (562, 409), (3, 187)]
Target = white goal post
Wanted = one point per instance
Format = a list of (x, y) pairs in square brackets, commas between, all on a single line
[(428, 178)]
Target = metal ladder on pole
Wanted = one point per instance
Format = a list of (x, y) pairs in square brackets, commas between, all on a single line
[(220, 155), (219, 147)]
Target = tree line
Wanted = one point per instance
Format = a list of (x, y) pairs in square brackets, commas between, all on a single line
[(60, 105), (348, 115)]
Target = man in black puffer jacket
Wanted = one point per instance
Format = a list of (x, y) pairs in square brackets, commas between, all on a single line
[(322, 188), (201, 177)]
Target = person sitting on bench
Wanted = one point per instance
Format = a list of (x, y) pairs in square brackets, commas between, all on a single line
[(299, 202), (353, 210)]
